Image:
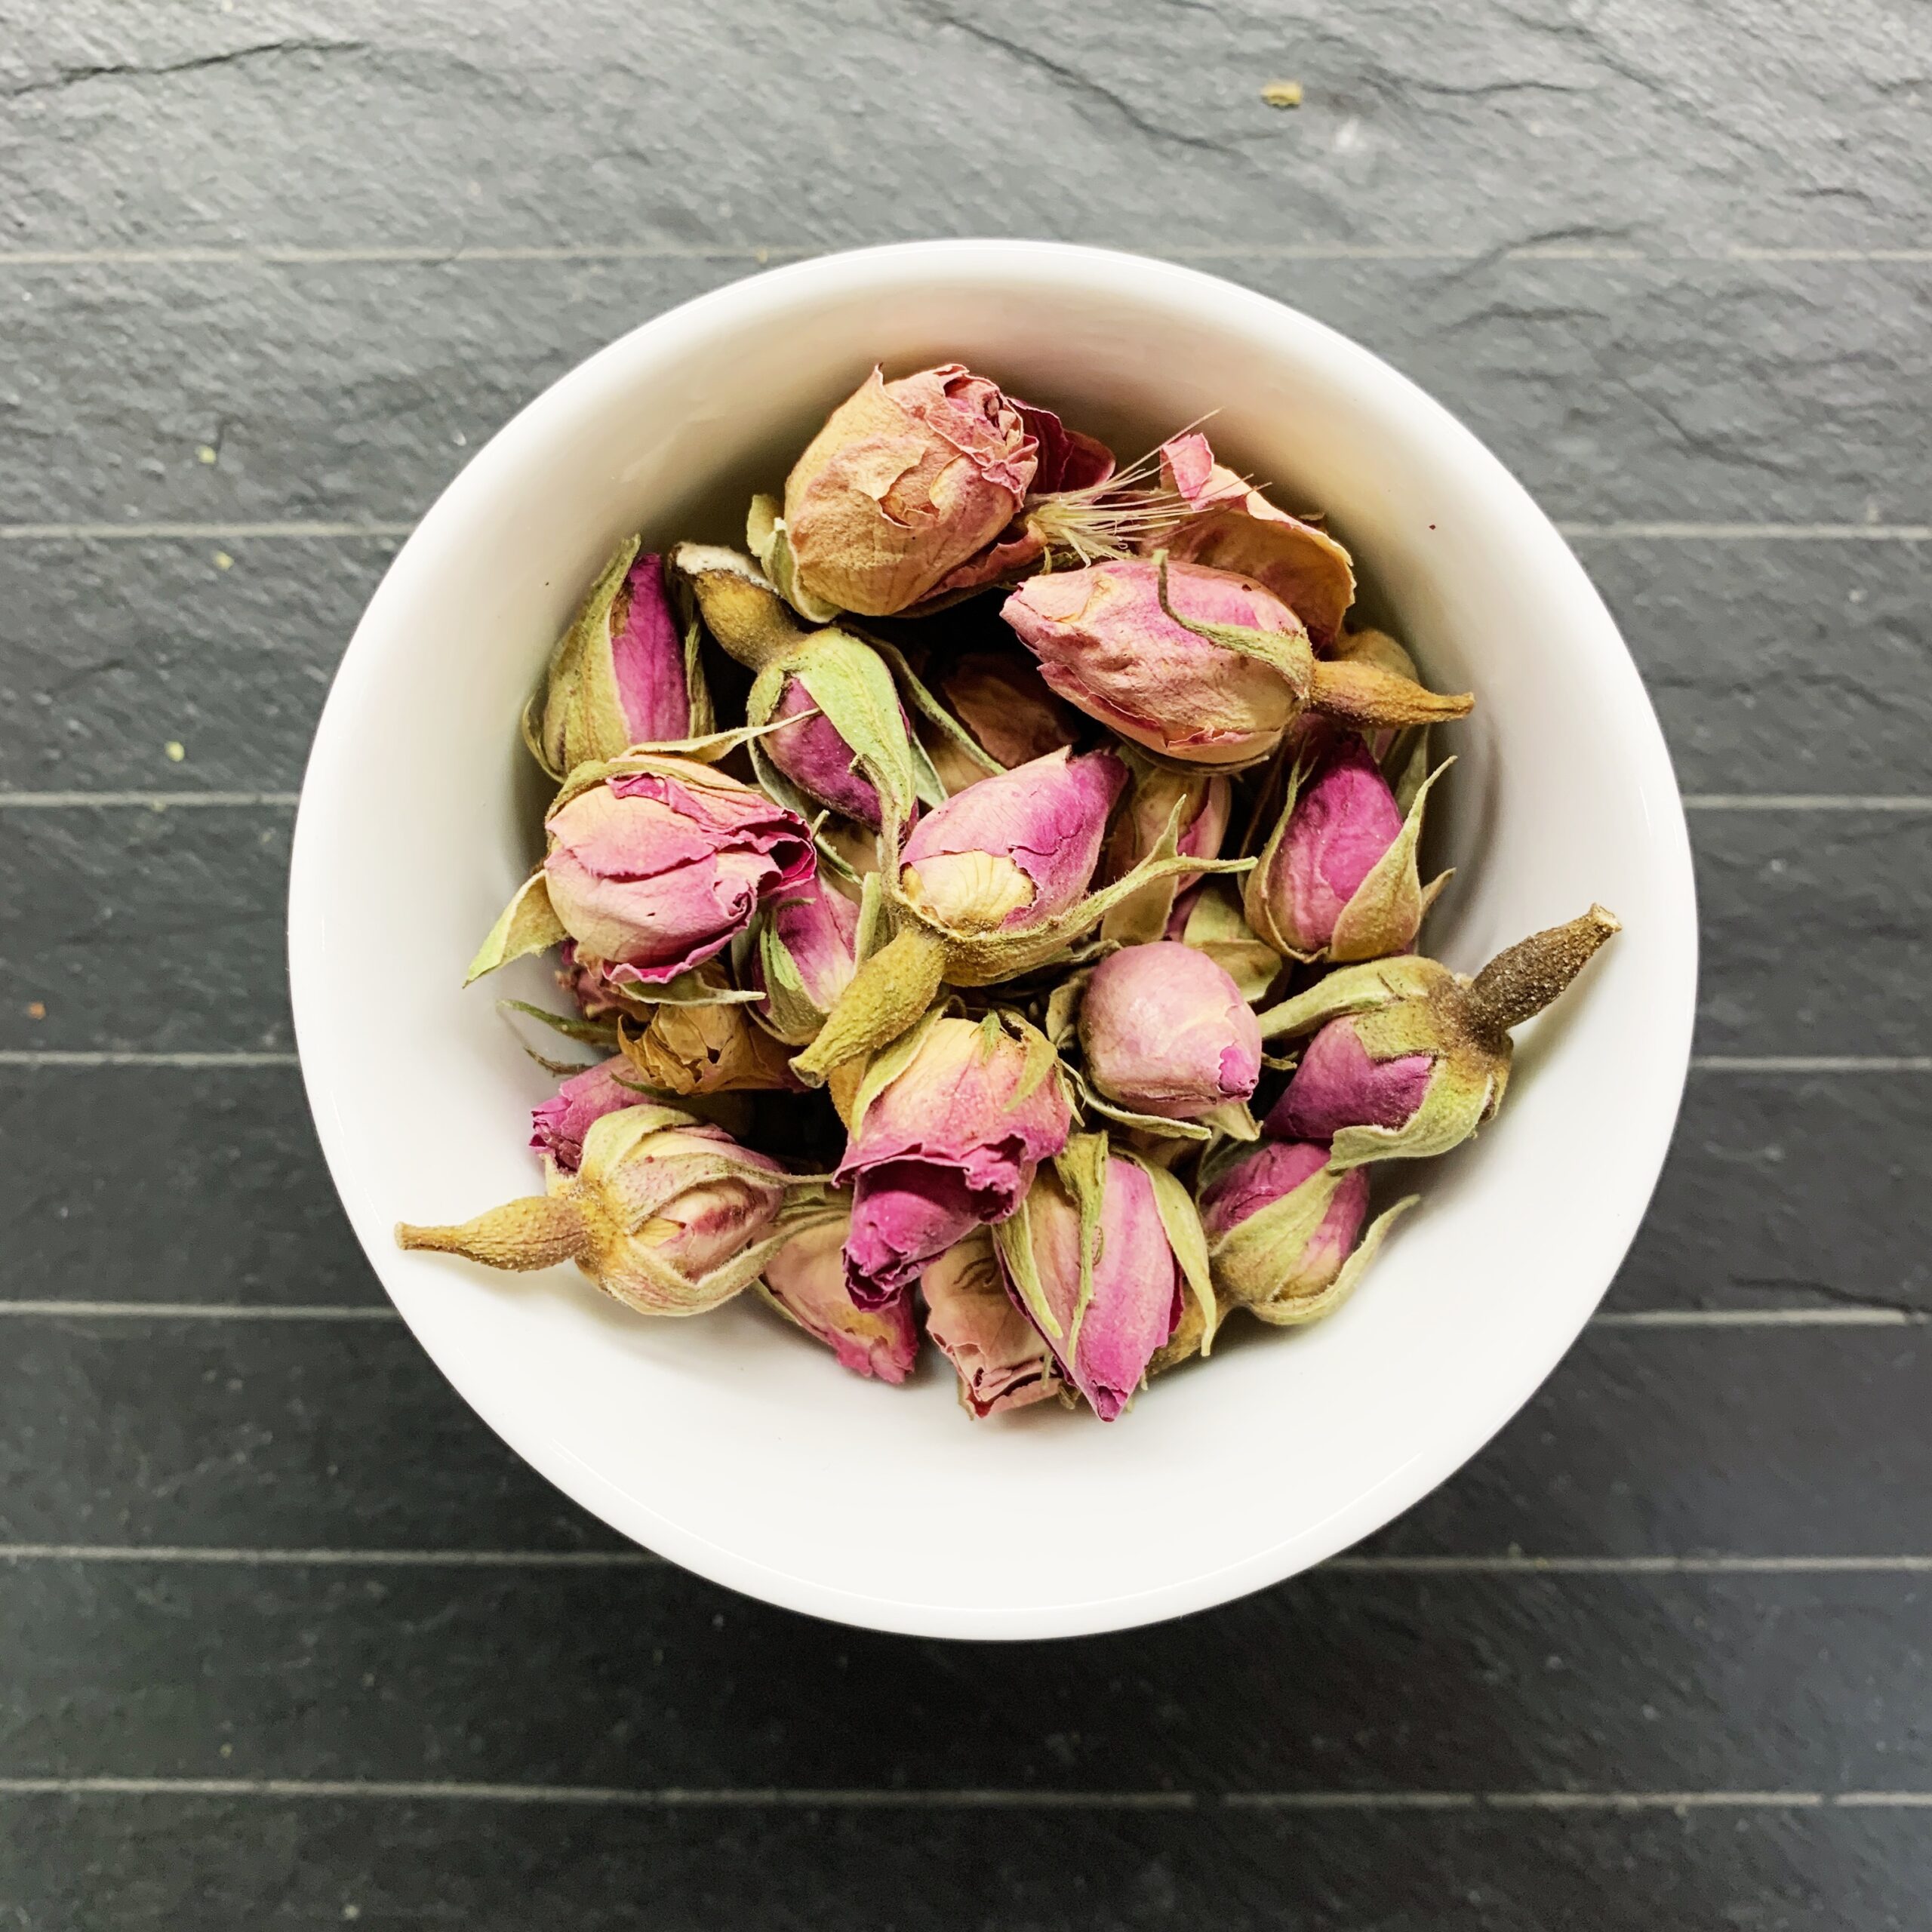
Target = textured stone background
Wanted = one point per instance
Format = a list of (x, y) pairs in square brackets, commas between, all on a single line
[(287, 1639)]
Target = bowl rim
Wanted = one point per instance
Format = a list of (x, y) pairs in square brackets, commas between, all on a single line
[(333, 762)]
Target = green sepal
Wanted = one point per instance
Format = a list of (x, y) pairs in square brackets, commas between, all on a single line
[(1080, 1168), (1291, 1313), (1289, 652), (766, 536), (588, 1032), (1014, 1239), (1363, 989), (1384, 912), (528, 923), (1462, 1093), (1215, 926), (1188, 1240), (1247, 1263)]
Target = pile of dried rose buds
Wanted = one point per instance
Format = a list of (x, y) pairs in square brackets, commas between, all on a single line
[(1066, 810)]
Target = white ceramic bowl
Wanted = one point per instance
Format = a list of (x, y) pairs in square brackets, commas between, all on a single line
[(735, 1446)]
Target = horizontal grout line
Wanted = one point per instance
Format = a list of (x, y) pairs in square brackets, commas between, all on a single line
[(1514, 1564), (678, 1798), (159, 801), (22, 533), (1806, 801), (1811, 1062), (672, 251), (1747, 533), (1761, 1318), (199, 533), (53, 1056)]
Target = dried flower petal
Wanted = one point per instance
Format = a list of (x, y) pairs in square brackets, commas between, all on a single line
[(1003, 1360), (1167, 1032), (558, 1127), (805, 1281)]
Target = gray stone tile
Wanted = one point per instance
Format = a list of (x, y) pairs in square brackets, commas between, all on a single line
[(1335, 1682), (236, 1865), (1775, 1441), (278, 123), (1710, 391)]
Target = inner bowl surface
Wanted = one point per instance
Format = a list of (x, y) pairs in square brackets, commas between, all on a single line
[(737, 1447)]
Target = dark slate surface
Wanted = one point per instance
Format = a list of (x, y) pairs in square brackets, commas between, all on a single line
[(1672, 261)]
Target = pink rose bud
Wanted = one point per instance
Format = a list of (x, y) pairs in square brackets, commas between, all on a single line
[(1015, 851), (1283, 1229), (1104, 1311), (669, 1216), (1234, 527), (907, 481), (1003, 1360), (805, 958), (805, 1280), (1338, 879), (558, 1127), (654, 871), (1409, 1059), (1105, 645), (947, 1143), (1167, 1032), (625, 673), (1198, 804)]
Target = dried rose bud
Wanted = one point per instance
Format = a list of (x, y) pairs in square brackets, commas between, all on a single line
[(1234, 527), (907, 480), (1002, 699), (1198, 804), (654, 864), (1016, 850), (596, 997), (805, 958), (625, 673), (947, 1129), (1338, 878), (1210, 920), (704, 1047), (668, 1215), (558, 1127), (1091, 1262), (1003, 1360), (805, 1281), (1409, 1059), (1167, 1032), (1282, 1229)]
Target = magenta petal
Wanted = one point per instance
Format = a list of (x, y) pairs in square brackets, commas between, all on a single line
[(558, 1126), (1337, 1085), (1341, 825), (905, 1214), (647, 654), (818, 761)]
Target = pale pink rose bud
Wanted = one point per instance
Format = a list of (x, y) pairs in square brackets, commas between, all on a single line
[(806, 1281), (1284, 1231), (907, 481), (805, 958), (1234, 527), (625, 673), (1408, 1059), (654, 872), (1338, 879), (1134, 1288), (1105, 645), (1003, 1360), (558, 1127), (950, 1143), (1016, 849), (668, 1215), (1167, 1032)]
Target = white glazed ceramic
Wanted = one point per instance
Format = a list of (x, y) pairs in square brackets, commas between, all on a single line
[(735, 1446)]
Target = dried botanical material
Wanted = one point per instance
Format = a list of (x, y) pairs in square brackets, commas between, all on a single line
[(558, 1127), (1003, 702), (1337, 879), (1196, 803), (665, 1213), (1166, 1033), (830, 730), (704, 1047), (948, 1126), (626, 673), (1233, 528), (805, 1281), (1408, 1059), (1091, 1257), (1284, 1231), (803, 958), (1002, 1361), (654, 864), (1211, 921), (908, 481)]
